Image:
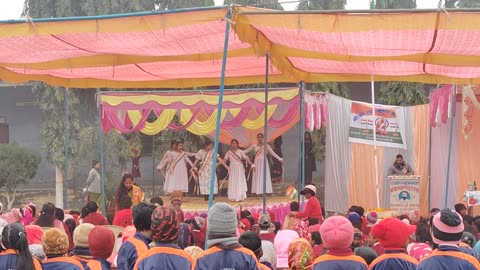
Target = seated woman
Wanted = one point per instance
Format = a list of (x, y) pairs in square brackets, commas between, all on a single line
[(47, 217), (124, 217), (16, 254), (91, 215)]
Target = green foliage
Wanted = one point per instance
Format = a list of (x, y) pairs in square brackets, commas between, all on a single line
[(403, 93), (51, 102), (50, 99), (319, 136), (322, 5), (336, 88), (395, 4), (269, 4), (117, 153), (450, 3), (17, 165), (462, 3), (67, 8)]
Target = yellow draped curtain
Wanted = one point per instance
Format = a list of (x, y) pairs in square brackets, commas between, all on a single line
[(421, 152), (362, 176), (468, 149), (155, 127)]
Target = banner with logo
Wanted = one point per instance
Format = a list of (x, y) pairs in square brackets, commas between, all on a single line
[(386, 125), (404, 193)]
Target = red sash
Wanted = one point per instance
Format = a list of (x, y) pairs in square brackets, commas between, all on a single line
[(179, 157), (259, 151), (235, 156), (208, 156)]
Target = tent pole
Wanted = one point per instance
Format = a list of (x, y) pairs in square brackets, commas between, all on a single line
[(153, 164), (66, 126), (102, 163), (265, 135), (219, 113), (430, 163), (302, 139), (452, 121), (375, 157)]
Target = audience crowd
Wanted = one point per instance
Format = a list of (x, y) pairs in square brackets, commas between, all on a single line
[(155, 235)]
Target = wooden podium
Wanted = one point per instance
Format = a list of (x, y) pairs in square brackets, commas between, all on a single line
[(404, 193)]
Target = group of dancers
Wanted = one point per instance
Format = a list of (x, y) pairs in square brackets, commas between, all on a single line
[(177, 175)]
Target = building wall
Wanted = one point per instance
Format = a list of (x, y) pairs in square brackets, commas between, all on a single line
[(24, 121)]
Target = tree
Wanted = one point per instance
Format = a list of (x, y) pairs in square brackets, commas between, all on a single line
[(462, 4), (339, 89), (395, 4), (17, 165), (50, 99), (322, 5), (117, 153), (269, 4), (400, 93), (468, 4)]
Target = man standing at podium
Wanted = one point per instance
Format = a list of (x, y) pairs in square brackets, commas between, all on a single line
[(400, 167)]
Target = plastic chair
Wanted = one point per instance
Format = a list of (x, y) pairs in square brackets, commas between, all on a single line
[(117, 231)]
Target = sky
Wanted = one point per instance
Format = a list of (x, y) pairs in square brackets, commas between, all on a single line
[(12, 9)]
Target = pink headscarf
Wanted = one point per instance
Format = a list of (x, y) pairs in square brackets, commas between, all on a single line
[(12, 216), (281, 243)]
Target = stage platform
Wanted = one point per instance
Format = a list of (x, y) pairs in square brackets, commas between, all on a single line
[(194, 206)]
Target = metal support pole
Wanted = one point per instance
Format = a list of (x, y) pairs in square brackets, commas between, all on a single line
[(430, 164), (219, 111), (102, 163), (219, 116), (452, 122), (302, 138), (265, 135), (153, 165), (375, 157), (66, 148)]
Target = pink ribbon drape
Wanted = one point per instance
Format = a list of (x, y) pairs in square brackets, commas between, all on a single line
[(174, 126), (111, 120), (316, 110), (287, 117), (439, 101)]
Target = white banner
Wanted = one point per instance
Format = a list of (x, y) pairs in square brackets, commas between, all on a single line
[(388, 124)]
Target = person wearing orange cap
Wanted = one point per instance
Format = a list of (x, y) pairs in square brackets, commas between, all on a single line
[(313, 208), (393, 235)]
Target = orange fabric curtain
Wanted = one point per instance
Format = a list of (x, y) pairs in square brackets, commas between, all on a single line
[(421, 152), (362, 176), (468, 149)]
